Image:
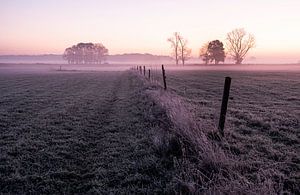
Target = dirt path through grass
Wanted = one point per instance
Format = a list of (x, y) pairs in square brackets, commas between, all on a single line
[(78, 133)]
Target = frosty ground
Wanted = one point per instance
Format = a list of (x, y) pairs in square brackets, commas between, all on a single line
[(77, 133), (81, 131), (263, 119)]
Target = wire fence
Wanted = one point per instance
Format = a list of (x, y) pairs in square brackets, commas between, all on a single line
[(158, 76)]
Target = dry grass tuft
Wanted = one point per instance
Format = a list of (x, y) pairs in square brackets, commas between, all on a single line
[(204, 166)]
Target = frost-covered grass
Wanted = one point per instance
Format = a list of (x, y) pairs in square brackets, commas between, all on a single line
[(260, 151), (78, 131), (82, 132)]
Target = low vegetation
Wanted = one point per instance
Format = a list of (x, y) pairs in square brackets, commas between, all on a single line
[(259, 154), (116, 132), (80, 132)]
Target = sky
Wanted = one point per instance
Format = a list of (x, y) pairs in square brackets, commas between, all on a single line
[(143, 26)]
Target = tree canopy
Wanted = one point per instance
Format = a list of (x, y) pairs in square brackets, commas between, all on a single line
[(216, 51), (212, 51), (86, 53)]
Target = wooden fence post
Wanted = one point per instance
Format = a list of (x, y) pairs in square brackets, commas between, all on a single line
[(149, 75), (140, 70), (144, 71), (164, 76), (224, 105)]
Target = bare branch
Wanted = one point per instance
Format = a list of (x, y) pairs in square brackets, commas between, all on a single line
[(185, 52), (175, 45), (239, 43)]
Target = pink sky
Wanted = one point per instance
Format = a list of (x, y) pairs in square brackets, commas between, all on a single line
[(126, 26)]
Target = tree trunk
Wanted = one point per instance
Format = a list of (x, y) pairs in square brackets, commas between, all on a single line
[(239, 61)]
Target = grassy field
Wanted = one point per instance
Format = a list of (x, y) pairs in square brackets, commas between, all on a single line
[(80, 131), (263, 120)]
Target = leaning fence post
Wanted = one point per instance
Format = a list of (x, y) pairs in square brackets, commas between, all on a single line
[(224, 105), (164, 76)]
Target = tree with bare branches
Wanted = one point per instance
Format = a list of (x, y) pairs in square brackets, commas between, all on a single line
[(203, 54), (175, 46), (184, 51), (239, 42)]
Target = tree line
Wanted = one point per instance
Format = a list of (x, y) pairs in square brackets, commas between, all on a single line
[(86, 53), (238, 44)]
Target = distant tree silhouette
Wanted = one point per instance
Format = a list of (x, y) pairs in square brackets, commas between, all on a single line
[(69, 55), (239, 43), (175, 46), (212, 52), (203, 54), (216, 51), (184, 51), (100, 52), (180, 51), (85, 53)]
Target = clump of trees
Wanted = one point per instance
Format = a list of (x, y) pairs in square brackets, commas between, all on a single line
[(86, 53), (238, 44), (213, 52), (180, 50)]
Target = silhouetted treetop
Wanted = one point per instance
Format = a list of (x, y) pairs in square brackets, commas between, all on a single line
[(213, 52), (86, 53), (216, 51)]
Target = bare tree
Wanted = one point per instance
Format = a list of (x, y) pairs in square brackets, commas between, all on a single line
[(203, 54), (184, 51), (239, 42), (175, 46)]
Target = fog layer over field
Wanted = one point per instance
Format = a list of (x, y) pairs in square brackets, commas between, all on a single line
[(121, 67), (233, 67), (27, 68)]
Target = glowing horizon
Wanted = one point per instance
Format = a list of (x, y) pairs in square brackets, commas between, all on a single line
[(135, 26)]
